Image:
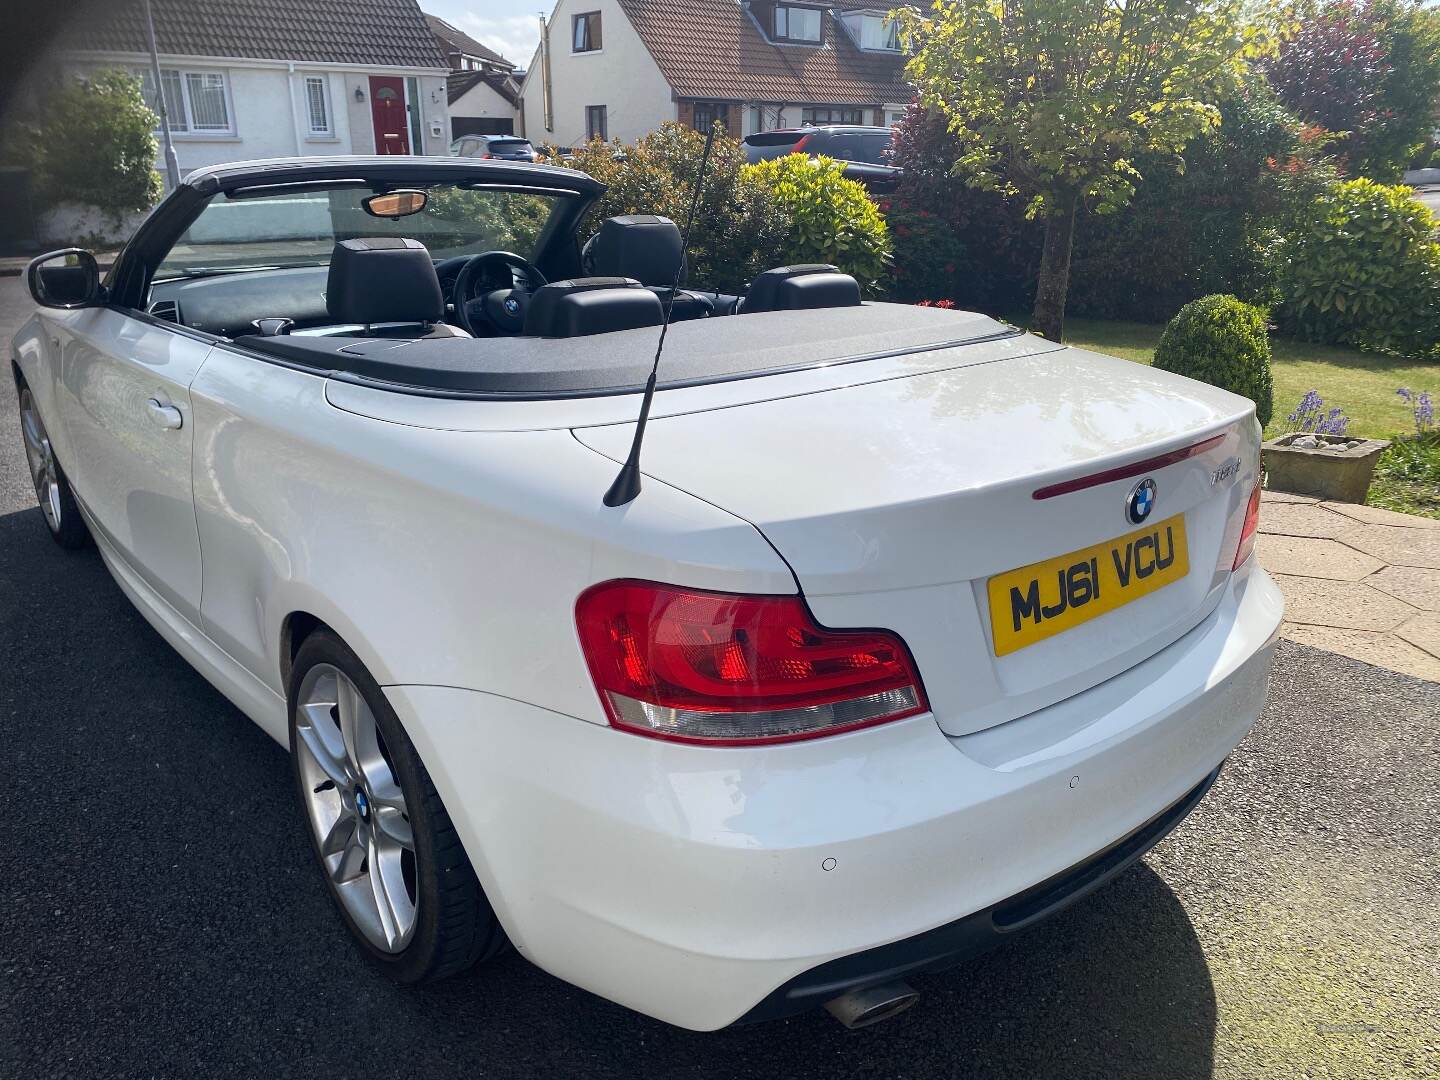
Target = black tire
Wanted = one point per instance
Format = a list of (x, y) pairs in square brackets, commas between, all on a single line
[(71, 532), (456, 928)]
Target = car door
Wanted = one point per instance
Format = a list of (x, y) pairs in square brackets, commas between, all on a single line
[(123, 391)]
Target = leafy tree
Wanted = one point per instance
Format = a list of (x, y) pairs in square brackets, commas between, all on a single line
[(98, 145), (1368, 70), (833, 220), (1053, 100), (739, 228)]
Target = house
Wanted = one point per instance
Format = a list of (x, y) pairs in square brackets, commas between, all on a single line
[(274, 78), (617, 69), (483, 93)]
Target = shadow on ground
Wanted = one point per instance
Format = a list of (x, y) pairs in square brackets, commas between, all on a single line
[(162, 916)]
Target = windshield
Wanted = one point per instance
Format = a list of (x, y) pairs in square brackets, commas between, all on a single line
[(300, 228)]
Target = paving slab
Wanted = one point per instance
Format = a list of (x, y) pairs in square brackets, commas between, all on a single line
[(1302, 519), (1286, 497), (1306, 556), (1395, 547), (1375, 515), (1423, 631), (1381, 649), (1417, 586), (1350, 605)]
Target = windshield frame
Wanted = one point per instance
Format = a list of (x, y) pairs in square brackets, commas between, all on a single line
[(557, 249)]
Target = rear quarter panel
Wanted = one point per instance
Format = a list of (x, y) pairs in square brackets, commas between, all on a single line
[(443, 558)]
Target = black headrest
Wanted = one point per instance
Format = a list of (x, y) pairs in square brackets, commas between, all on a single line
[(383, 279), (591, 306), (640, 246), (792, 288)]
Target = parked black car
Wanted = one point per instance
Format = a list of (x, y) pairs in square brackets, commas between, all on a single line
[(500, 147), (866, 151)]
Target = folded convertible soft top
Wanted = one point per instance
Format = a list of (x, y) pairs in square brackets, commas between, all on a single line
[(696, 352)]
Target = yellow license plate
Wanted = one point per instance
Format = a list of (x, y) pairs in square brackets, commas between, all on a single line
[(1046, 598)]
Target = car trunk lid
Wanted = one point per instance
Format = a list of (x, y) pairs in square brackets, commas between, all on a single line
[(907, 503)]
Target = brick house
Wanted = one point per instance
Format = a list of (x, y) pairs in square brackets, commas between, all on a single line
[(617, 69)]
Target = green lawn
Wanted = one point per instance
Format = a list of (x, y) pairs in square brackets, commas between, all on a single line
[(1363, 384)]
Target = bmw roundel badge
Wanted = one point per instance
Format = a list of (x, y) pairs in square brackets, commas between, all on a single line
[(1141, 501), (512, 306)]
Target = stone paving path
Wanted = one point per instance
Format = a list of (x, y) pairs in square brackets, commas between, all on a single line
[(1358, 580)]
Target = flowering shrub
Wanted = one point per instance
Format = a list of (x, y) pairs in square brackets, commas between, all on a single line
[(1422, 408), (948, 305), (1312, 416)]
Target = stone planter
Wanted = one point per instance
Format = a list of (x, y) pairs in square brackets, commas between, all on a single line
[(1339, 470)]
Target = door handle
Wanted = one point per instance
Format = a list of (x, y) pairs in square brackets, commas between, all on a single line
[(166, 416)]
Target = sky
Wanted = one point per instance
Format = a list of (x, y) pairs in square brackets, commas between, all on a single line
[(510, 27)]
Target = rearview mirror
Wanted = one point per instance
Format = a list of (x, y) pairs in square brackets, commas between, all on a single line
[(395, 204), (64, 279)]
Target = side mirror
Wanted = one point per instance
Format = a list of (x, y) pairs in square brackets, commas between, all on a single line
[(69, 278)]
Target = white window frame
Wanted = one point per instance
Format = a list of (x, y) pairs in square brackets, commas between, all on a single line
[(183, 127), (328, 131)]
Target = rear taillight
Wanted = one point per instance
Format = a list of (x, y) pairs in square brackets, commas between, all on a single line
[(1247, 530), (799, 147), (729, 670)]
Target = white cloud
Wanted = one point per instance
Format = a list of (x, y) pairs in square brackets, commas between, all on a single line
[(512, 36)]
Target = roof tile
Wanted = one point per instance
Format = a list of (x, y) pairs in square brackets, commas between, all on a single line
[(714, 49), (385, 33)]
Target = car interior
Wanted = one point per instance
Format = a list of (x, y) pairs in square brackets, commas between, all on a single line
[(445, 286), (391, 287)]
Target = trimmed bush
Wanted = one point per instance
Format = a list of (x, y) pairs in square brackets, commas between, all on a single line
[(832, 219), (1362, 268), (98, 146), (1222, 341)]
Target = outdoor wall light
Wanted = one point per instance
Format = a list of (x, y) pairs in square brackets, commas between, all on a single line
[(359, 94)]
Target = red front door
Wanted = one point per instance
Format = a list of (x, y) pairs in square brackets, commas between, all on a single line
[(387, 109)]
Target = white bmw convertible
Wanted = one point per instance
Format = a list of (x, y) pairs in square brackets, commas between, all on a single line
[(918, 629)]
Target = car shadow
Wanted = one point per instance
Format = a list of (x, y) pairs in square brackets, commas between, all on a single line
[(163, 915)]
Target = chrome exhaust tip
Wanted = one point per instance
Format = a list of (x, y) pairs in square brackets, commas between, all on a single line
[(861, 1008)]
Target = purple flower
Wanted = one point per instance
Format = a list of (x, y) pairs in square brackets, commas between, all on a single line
[(1421, 407), (1312, 416)]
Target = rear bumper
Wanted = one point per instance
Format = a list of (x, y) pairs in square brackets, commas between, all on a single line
[(703, 885), (976, 934)]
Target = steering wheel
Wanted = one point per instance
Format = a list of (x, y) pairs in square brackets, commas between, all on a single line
[(495, 311)]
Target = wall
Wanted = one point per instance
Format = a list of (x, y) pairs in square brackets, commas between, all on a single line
[(622, 76)]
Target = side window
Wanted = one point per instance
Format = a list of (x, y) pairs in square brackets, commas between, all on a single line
[(595, 123), (586, 32)]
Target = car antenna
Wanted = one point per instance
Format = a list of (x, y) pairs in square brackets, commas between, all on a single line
[(627, 483)]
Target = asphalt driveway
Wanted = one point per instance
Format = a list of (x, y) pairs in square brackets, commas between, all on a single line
[(159, 915)]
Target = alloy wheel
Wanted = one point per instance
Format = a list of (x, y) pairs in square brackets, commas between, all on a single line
[(44, 473), (356, 808)]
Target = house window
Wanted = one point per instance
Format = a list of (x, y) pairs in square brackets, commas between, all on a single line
[(832, 116), (195, 101), (595, 126), (586, 32), (877, 32), (797, 24), (317, 104)]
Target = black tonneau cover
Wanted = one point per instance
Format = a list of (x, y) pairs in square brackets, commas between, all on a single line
[(696, 352)]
